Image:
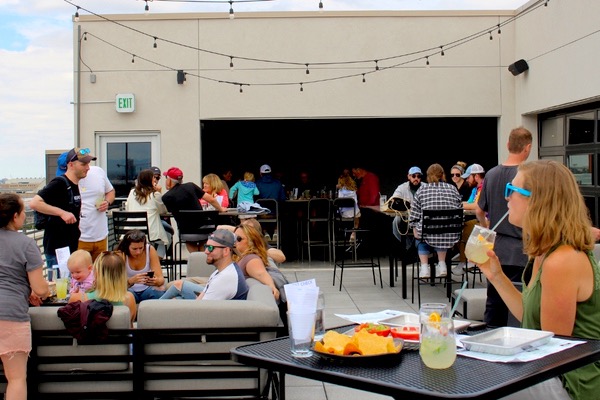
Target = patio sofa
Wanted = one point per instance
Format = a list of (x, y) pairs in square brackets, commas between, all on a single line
[(180, 348)]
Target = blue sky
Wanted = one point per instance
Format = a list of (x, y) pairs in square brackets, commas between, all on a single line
[(36, 55)]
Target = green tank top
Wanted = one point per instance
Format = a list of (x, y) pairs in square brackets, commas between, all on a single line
[(584, 382), (92, 296)]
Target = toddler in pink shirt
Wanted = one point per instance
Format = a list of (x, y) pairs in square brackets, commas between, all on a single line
[(80, 267)]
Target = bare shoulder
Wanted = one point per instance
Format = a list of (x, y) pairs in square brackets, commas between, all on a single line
[(566, 258)]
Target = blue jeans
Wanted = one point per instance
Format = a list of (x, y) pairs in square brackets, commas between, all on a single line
[(147, 294), (424, 248), (50, 261), (188, 291)]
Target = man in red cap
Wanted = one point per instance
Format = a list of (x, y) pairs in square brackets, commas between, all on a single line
[(185, 196)]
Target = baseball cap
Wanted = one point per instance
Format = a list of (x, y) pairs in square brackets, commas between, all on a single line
[(79, 154), (223, 237), (61, 164), (174, 173), (156, 170), (414, 170), (473, 169), (265, 169)]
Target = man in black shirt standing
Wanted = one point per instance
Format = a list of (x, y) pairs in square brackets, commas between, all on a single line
[(61, 200)]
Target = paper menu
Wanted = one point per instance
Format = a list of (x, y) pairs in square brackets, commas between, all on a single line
[(62, 256), (302, 296)]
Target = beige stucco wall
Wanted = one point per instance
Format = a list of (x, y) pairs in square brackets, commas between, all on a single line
[(470, 80)]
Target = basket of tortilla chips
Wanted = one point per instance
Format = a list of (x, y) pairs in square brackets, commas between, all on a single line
[(361, 347)]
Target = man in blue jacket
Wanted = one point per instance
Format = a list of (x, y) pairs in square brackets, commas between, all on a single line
[(269, 187)]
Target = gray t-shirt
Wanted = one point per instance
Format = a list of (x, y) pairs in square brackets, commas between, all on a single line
[(20, 254), (509, 242)]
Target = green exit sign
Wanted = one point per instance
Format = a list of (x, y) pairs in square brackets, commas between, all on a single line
[(125, 103)]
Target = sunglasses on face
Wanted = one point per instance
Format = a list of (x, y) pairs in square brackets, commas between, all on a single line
[(416, 176), (510, 189), (455, 175), (80, 152), (211, 247)]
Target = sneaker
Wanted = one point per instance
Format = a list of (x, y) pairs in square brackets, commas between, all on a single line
[(459, 269), (353, 237), (275, 236), (424, 271), (267, 237), (441, 271)]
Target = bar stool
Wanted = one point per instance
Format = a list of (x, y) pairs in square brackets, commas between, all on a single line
[(318, 226)]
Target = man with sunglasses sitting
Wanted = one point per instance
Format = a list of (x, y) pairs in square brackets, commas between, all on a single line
[(226, 283), (406, 191)]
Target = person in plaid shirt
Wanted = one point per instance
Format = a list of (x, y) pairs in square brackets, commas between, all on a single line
[(436, 194)]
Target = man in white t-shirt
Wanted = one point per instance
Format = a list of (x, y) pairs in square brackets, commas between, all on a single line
[(97, 194), (226, 283)]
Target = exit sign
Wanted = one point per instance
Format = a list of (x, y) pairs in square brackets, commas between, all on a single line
[(125, 103)]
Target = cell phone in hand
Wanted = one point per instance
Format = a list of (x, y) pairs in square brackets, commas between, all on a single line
[(150, 274)]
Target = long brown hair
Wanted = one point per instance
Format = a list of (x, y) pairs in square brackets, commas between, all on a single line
[(144, 186), (256, 244)]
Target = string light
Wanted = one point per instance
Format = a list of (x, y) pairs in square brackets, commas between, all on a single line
[(546, 3), (77, 15), (454, 44), (301, 88), (132, 58), (320, 5), (241, 90), (499, 30), (146, 7), (427, 60), (231, 15)]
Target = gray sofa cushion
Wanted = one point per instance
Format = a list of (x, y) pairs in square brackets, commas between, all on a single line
[(46, 318)]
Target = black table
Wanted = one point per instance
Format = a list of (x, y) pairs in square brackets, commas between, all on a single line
[(411, 379)]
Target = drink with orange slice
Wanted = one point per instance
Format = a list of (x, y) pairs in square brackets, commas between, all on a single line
[(480, 241), (437, 343)]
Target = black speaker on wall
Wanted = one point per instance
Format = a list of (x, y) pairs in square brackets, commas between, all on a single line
[(518, 67), (180, 77)]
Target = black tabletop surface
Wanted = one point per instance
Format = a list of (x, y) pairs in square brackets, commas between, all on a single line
[(410, 378)]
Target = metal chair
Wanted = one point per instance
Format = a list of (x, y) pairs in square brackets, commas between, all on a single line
[(194, 226), (318, 225), (271, 220), (437, 222), (343, 229), (124, 221)]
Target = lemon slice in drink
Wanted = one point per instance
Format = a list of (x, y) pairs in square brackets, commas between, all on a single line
[(435, 317)]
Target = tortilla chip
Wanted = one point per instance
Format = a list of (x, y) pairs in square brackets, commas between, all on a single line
[(351, 349), (371, 344), (335, 342)]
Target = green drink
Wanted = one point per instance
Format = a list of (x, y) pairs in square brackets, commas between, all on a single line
[(438, 344)]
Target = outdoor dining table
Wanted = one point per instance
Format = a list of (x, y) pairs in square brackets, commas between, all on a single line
[(468, 378)]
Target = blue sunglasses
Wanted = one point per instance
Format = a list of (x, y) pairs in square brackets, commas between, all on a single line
[(510, 189), (80, 153)]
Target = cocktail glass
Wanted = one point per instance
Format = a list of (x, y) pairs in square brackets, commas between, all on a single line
[(438, 343), (480, 241)]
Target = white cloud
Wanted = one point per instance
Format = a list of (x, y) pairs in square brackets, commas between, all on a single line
[(36, 81)]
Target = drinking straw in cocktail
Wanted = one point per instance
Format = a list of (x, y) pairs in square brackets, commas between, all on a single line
[(460, 292), (498, 223)]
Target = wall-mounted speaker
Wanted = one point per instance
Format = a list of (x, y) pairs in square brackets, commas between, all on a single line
[(180, 77), (518, 67)]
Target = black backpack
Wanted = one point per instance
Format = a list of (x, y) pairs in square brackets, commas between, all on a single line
[(40, 220), (86, 321)]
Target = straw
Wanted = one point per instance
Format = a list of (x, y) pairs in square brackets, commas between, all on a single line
[(462, 289), (500, 221)]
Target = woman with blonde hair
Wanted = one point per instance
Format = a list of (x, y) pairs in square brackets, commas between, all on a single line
[(347, 188), (110, 283), (213, 185), (251, 256), (561, 281)]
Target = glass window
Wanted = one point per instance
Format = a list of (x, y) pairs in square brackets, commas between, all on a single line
[(553, 130), (559, 159), (582, 166), (581, 128), (124, 163), (590, 202)]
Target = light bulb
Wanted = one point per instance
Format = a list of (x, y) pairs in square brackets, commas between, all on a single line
[(76, 19)]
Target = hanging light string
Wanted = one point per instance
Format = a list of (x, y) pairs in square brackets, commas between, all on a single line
[(431, 51)]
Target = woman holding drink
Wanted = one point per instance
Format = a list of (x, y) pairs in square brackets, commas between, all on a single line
[(561, 281)]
